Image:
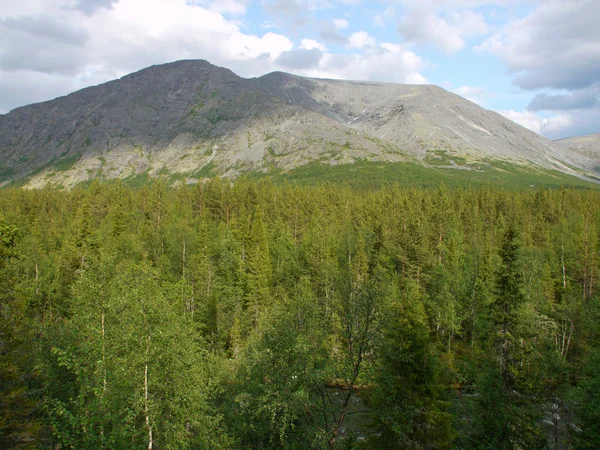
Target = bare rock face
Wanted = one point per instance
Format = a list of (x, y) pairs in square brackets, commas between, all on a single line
[(186, 116)]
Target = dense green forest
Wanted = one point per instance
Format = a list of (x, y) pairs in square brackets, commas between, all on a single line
[(256, 315)]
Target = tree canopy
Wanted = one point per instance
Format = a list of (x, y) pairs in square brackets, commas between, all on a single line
[(256, 315)]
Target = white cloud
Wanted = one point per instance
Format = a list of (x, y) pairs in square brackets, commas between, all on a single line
[(469, 23), (475, 94), (428, 28), (388, 14), (361, 39), (233, 7), (380, 62), (444, 24), (309, 44), (30, 7), (557, 46), (546, 126), (383, 62), (294, 8), (340, 23), (17, 86), (415, 78), (455, 5), (447, 34), (557, 124)]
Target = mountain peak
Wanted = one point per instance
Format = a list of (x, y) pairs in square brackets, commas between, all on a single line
[(190, 117), (182, 65)]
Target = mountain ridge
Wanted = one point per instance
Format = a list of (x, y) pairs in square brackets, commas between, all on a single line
[(192, 118)]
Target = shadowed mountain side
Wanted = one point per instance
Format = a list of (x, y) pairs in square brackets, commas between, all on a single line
[(178, 105)]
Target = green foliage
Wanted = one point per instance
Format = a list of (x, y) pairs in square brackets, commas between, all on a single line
[(205, 172), (215, 118), (19, 424), (279, 372), (135, 369), (410, 402), (137, 180), (6, 172), (262, 315), (8, 240), (65, 164), (373, 175), (506, 410), (588, 406), (504, 312), (194, 111)]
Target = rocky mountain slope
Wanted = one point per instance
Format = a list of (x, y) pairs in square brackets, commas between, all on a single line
[(190, 118), (588, 146)]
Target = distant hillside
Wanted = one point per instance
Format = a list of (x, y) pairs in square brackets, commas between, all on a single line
[(190, 119), (589, 145)]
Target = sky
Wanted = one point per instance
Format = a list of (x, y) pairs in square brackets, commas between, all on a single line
[(537, 62)]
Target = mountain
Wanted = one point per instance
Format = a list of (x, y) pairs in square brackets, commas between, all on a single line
[(588, 146), (189, 119)]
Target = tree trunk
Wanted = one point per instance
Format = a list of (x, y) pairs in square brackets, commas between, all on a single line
[(562, 260), (146, 407), (183, 261)]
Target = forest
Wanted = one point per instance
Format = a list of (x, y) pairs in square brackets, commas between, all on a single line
[(257, 315)]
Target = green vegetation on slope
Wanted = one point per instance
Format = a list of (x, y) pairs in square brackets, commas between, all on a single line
[(6, 173), (364, 174), (373, 175)]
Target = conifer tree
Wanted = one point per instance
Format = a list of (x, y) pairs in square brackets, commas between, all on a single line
[(408, 399), (506, 413), (19, 423)]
